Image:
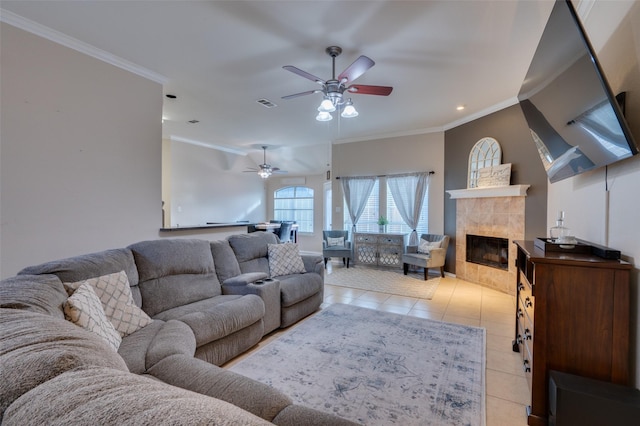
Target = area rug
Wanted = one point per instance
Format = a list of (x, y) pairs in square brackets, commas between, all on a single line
[(378, 368), (383, 281)]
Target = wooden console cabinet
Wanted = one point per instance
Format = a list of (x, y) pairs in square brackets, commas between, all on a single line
[(572, 316), (379, 249)]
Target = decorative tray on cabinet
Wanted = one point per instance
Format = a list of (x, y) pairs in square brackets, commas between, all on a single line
[(580, 247)]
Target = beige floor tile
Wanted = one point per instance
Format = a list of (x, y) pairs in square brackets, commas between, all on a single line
[(499, 328), (461, 320), (336, 298), (429, 305), (463, 311), (495, 342), (501, 317), (371, 304), (401, 301), (505, 413), (507, 362), (432, 315), (403, 310), (372, 296), (507, 386)]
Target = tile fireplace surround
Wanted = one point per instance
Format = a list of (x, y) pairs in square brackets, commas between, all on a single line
[(490, 212)]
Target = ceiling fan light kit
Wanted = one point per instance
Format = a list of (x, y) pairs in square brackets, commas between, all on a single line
[(265, 170), (334, 88)]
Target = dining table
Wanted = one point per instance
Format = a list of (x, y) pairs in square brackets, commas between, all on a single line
[(274, 227)]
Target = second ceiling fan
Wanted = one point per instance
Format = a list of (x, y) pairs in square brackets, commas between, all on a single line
[(333, 89)]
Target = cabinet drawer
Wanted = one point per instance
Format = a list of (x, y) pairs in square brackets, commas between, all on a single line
[(391, 239), (366, 238)]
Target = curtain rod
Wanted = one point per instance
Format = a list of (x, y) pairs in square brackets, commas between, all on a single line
[(381, 176)]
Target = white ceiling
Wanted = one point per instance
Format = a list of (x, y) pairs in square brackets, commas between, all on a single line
[(220, 57)]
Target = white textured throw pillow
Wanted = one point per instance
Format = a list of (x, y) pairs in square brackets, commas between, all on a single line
[(84, 309), (285, 259), (339, 241), (114, 292), (426, 246)]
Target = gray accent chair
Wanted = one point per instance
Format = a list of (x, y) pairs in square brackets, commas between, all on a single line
[(344, 251), (434, 259)]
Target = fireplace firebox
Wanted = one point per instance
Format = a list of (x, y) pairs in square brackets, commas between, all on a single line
[(488, 251)]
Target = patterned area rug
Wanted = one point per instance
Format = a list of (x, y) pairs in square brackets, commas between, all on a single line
[(384, 281), (378, 368)]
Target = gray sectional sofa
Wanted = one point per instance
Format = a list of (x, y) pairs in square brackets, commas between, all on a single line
[(202, 304)]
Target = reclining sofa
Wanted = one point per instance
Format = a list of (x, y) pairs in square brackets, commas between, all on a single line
[(182, 309)]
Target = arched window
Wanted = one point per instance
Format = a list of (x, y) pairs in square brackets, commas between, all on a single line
[(485, 153), (295, 204)]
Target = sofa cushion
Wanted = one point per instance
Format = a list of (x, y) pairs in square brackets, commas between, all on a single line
[(202, 377), (114, 292), (173, 338), (133, 348), (296, 288), (225, 260), (110, 397), (35, 348), (38, 293), (251, 250), (425, 246), (284, 259), (174, 272), (217, 317), (91, 265), (84, 309)]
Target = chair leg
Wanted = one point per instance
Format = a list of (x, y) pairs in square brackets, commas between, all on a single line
[(325, 262), (347, 263), (442, 271), (426, 273), (405, 267), (344, 261)]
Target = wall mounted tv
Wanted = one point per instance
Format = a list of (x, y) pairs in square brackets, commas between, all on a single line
[(574, 118)]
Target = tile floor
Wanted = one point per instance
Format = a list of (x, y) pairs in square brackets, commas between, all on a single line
[(460, 302)]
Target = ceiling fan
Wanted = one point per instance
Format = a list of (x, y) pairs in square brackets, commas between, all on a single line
[(333, 89), (265, 170)]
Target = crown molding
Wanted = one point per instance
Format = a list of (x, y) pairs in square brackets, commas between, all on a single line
[(80, 46)]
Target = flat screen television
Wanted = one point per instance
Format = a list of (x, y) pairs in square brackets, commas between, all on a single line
[(574, 118)]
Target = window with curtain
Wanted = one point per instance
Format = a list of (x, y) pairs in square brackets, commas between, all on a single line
[(369, 220), (294, 203), (397, 225)]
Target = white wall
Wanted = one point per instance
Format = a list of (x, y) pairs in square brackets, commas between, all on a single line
[(584, 198), (207, 185), (80, 153), (406, 154)]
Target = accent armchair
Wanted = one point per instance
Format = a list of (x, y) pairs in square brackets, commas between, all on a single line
[(336, 244), (431, 253)]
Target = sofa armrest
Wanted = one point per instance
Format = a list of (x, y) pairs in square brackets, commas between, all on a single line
[(268, 290), (244, 279), (313, 263)]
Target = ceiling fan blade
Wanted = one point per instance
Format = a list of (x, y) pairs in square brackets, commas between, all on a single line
[(277, 171), (295, 95), (304, 74), (356, 69), (363, 89)]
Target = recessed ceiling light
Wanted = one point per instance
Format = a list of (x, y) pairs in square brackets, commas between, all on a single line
[(459, 107), (193, 121)]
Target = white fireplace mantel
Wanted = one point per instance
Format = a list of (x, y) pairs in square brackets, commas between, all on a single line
[(491, 191)]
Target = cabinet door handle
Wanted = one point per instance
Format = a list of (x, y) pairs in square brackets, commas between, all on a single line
[(526, 366), (519, 339), (527, 302), (527, 334), (520, 287), (519, 314)]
